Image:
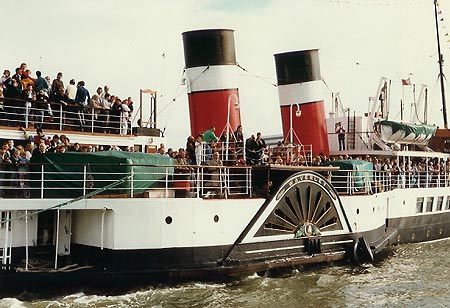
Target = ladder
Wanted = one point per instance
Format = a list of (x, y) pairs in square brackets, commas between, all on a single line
[(5, 239), (351, 135)]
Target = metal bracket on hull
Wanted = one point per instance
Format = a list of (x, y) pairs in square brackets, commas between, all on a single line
[(362, 251), (313, 245)]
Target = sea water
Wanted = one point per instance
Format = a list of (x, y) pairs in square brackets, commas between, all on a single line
[(413, 275)]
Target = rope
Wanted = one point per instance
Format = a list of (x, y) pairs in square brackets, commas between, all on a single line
[(178, 93), (257, 76), (170, 104), (182, 91), (95, 192)]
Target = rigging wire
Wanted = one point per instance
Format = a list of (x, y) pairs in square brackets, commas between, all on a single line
[(326, 85), (257, 76), (182, 91), (170, 104), (178, 93), (63, 204)]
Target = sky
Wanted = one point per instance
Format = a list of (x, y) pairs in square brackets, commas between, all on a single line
[(137, 44)]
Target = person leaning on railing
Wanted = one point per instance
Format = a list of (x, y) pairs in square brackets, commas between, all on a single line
[(59, 103), (251, 150), (199, 149), (115, 112), (5, 170), (210, 138), (12, 107), (95, 108), (104, 113), (82, 98), (40, 106), (215, 172), (182, 176)]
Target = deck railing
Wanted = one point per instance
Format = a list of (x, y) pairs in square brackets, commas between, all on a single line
[(20, 113), (184, 181), (370, 182), (73, 181)]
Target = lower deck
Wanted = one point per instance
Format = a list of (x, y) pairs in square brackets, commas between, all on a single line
[(303, 219)]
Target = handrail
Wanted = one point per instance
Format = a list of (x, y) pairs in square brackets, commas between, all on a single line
[(74, 180), (353, 182), (72, 116)]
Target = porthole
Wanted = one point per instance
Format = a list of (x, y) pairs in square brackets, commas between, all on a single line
[(216, 218), (373, 209), (169, 220), (357, 211)]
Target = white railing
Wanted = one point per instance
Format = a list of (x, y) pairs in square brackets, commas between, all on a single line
[(370, 182), (231, 153), (235, 153), (291, 154), (72, 181), (73, 117)]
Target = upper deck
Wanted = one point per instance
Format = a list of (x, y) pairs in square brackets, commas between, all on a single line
[(85, 125)]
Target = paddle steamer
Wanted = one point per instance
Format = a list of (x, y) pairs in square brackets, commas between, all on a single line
[(111, 217)]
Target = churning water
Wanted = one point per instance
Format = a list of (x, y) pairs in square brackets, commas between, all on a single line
[(415, 275)]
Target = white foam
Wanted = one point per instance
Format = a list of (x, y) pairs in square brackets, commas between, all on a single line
[(76, 295), (253, 276), (11, 303)]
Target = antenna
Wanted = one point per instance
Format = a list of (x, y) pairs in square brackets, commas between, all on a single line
[(441, 64)]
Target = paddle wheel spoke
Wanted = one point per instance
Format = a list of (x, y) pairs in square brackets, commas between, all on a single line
[(306, 205)]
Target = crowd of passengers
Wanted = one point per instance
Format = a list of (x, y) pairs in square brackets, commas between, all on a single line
[(15, 159), (25, 99), (232, 150)]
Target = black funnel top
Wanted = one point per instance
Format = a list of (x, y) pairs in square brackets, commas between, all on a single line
[(209, 47), (297, 66)]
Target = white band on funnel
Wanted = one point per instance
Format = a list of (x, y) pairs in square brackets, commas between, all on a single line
[(217, 77), (301, 93)]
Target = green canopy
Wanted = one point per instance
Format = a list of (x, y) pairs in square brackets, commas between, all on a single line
[(67, 174), (361, 175)]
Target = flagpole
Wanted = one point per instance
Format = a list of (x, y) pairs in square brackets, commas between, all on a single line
[(441, 64)]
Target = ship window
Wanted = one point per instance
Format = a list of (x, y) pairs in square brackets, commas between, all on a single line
[(439, 204), (419, 205), (447, 204), (430, 201)]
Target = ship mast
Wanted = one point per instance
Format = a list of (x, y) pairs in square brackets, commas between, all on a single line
[(441, 64)]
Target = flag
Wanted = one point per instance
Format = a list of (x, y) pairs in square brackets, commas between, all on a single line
[(406, 82)]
